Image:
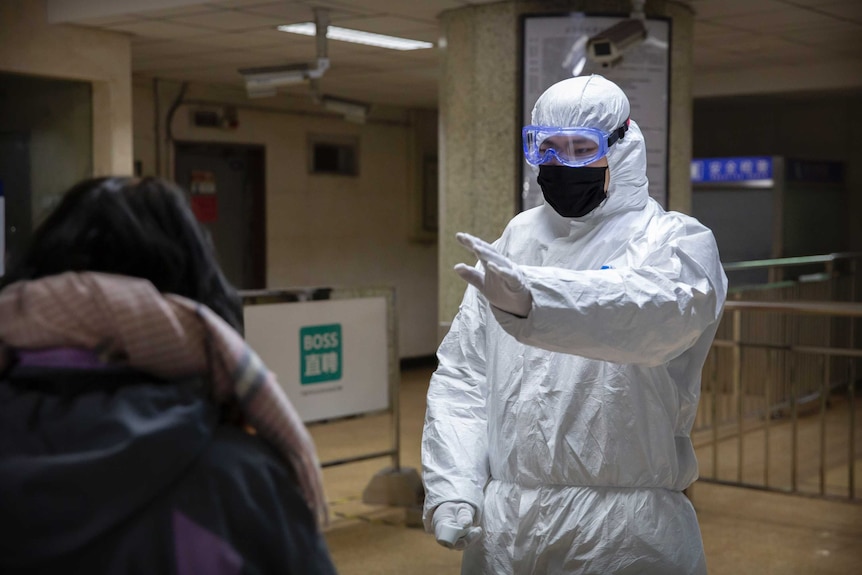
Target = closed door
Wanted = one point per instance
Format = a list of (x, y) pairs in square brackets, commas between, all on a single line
[(225, 183)]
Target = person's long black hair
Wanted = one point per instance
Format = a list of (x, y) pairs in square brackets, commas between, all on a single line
[(135, 227)]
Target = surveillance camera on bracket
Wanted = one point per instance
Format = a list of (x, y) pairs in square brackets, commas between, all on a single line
[(352, 110), (607, 47), (265, 81)]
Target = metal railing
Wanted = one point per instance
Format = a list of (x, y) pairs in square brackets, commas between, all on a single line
[(778, 409), (275, 296)]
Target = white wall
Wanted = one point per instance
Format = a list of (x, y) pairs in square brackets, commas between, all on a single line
[(323, 230)]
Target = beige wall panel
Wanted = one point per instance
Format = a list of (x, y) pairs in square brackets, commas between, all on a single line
[(324, 230), (29, 45)]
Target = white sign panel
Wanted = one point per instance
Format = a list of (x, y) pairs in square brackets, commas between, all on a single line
[(331, 357), (554, 49)]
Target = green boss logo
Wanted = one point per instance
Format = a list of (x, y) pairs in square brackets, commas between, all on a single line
[(320, 353)]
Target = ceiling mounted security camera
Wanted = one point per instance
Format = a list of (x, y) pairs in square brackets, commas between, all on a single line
[(265, 81), (607, 47)]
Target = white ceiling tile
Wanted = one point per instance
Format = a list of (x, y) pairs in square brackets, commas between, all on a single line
[(294, 13), (227, 72), (336, 7), (429, 10), (704, 30), (391, 25), (850, 53), (388, 59), (833, 38), (729, 38), (773, 22), (417, 58), (337, 49), (709, 9), (426, 10), (756, 46), (707, 34), (769, 54), (243, 40), (789, 58), (174, 49), (285, 12), (240, 58), (207, 59), (157, 29), (706, 56), (229, 20), (271, 56), (848, 10), (818, 3), (167, 63), (203, 43), (356, 72), (201, 75), (249, 3), (171, 12), (107, 21)]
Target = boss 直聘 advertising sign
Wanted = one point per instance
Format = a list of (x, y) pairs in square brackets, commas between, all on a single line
[(331, 357)]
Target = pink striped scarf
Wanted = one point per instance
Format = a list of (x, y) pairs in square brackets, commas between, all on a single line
[(129, 322)]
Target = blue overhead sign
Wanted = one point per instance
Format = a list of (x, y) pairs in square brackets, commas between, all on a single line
[(742, 169)]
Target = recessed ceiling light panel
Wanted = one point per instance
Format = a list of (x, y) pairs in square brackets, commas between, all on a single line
[(357, 37)]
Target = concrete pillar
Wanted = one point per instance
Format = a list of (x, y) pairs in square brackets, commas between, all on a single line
[(480, 120)]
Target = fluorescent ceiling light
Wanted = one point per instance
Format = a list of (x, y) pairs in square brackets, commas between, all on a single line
[(357, 37)]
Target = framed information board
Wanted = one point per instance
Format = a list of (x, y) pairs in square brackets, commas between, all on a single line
[(554, 48)]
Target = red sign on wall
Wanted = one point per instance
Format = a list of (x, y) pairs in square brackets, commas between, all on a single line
[(205, 208), (204, 199)]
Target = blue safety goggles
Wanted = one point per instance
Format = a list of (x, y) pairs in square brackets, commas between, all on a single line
[(573, 147)]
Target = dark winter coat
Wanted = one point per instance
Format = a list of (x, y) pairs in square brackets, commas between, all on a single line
[(113, 471)]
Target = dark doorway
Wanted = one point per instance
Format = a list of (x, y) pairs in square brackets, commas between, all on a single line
[(46, 146), (15, 188), (226, 187)]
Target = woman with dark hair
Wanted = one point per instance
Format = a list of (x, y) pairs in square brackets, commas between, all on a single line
[(139, 228), (119, 355)]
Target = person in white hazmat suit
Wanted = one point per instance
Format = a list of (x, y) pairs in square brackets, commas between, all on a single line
[(556, 436)]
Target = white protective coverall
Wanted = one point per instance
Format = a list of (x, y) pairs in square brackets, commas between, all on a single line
[(568, 430)]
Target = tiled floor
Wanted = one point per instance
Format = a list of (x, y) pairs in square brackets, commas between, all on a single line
[(744, 531)]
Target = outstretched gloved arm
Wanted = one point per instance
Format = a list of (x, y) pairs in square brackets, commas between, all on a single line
[(501, 281), (453, 525)]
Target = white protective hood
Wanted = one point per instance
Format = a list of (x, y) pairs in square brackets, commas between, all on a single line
[(595, 102), (568, 430)]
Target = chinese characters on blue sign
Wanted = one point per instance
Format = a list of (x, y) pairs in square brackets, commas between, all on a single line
[(741, 169)]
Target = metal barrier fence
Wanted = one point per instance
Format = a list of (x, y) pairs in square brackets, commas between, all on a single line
[(778, 409), (362, 368), (392, 376)]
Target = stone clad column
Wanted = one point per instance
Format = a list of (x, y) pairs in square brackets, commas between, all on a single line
[(480, 121)]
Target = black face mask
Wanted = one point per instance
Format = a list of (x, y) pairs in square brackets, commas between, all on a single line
[(572, 192)]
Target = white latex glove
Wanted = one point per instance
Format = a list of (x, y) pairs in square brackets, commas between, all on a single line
[(453, 525), (502, 281)]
